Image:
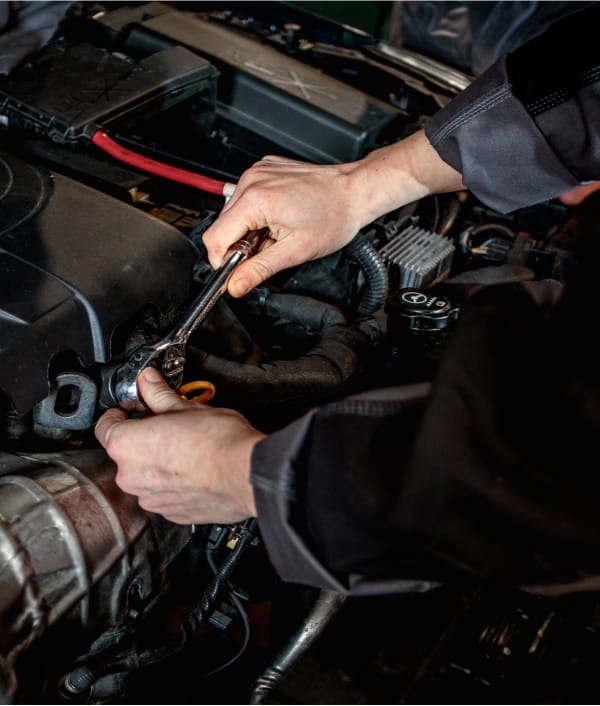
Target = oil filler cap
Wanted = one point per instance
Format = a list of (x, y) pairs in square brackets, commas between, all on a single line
[(424, 311)]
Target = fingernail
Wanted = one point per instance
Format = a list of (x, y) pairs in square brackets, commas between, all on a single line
[(152, 375)]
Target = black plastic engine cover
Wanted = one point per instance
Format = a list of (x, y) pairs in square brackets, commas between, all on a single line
[(67, 92), (285, 100), (75, 264)]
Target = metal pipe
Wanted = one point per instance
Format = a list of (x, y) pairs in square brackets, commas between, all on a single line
[(323, 610)]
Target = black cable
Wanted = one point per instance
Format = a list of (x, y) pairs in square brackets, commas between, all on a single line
[(246, 623), (374, 270), (206, 603), (210, 560), (83, 677)]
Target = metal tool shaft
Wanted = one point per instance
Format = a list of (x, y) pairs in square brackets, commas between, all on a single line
[(215, 287), (205, 301)]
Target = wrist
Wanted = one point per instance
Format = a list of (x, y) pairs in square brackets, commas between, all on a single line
[(393, 176), (245, 462)]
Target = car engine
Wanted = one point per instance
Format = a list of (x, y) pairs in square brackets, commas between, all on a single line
[(116, 136)]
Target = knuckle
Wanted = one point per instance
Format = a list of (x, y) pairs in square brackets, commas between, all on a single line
[(147, 503), (247, 177), (115, 442), (125, 481)]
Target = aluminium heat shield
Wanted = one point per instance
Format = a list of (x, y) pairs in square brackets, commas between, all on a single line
[(418, 257)]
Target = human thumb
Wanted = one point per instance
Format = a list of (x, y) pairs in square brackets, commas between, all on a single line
[(157, 394), (276, 256)]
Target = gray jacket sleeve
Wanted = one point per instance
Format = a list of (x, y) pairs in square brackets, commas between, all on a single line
[(526, 130), (283, 468)]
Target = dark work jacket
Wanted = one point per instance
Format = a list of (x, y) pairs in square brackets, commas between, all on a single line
[(527, 129), (491, 470)]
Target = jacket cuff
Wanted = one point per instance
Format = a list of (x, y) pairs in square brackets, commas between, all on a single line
[(487, 135)]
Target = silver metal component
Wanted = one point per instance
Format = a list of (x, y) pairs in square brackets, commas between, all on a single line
[(71, 547), (423, 258), (71, 404), (168, 354), (325, 607), (443, 74)]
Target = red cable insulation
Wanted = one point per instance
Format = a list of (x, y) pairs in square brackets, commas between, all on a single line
[(198, 181)]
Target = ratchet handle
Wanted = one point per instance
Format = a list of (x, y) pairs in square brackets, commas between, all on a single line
[(217, 285), (250, 243), (252, 240)]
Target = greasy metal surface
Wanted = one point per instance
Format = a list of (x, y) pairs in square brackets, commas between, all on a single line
[(71, 545)]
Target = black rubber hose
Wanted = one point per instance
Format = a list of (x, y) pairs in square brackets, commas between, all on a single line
[(375, 271), (326, 367), (81, 679), (306, 311)]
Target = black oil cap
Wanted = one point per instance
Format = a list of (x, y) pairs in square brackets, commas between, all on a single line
[(424, 311)]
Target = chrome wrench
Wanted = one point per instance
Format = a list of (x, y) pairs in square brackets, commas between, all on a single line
[(168, 354)]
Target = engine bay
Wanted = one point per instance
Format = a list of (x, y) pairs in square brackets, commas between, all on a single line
[(101, 253)]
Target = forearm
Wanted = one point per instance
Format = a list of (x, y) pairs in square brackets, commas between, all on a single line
[(398, 174)]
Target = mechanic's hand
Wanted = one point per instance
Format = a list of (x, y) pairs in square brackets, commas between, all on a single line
[(313, 210), (309, 209), (189, 462)]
